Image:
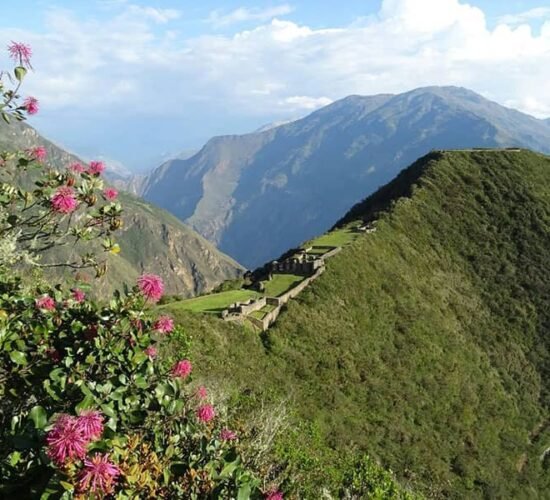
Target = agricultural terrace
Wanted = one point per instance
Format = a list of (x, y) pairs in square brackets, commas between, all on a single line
[(215, 303), (336, 238)]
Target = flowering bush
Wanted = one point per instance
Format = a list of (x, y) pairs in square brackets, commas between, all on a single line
[(42, 207), (79, 382), (87, 409)]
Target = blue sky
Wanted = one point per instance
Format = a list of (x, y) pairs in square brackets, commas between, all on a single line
[(138, 81)]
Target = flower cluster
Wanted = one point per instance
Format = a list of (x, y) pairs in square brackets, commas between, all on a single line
[(99, 475), (206, 413), (64, 201), (31, 105), (65, 353), (21, 53), (96, 168), (182, 369), (151, 286), (70, 436), (45, 303), (164, 324)]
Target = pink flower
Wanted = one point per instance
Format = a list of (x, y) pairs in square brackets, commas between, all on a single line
[(38, 153), (164, 324), (99, 475), (63, 200), (151, 286), (21, 53), (110, 194), (66, 441), (151, 351), (45, 303), (274, 495), (76, 167), (227, 435), (78, 295), (181, 369), (31, 105), (201, 393), (96, 168), (205, 413), (90, 423)]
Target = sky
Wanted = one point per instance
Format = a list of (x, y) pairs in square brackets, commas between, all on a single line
[(138, 81)]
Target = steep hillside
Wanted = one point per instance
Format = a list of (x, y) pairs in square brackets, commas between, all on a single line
[(258, 194), (426, 343), (151, 239)]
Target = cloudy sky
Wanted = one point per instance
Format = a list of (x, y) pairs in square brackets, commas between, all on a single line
[(138, 80)]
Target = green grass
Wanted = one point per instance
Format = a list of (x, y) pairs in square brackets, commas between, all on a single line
[(335, 238), (258, 314), (262, 312), (281, 283), (425, 344), (215, 302), (318, 251)]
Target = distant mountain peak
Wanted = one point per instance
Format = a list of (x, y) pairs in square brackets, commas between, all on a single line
[(255, 195)]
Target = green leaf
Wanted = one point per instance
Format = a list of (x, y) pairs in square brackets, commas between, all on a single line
[(244, 492), (108, 410), (5, 117), (39, 417), (20, 73), (18, 357), (141, 382), (228, 469), (86, 403), (14, 458), (66, 486)]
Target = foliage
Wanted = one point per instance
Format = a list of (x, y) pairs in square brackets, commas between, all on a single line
[(87, 407), (61, 208), (425, 343)]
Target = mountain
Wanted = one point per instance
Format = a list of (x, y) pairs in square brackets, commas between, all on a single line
[(151, 239), (256, 195), (425, 344), (269, 126)]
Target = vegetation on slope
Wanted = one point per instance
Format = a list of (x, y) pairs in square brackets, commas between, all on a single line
[(150, 238), (425, 344)]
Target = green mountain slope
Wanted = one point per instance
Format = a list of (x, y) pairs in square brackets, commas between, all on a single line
[(258, 194), (151, 239), (426, 343)]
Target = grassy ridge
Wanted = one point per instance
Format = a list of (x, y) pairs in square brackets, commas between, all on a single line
[(426, 343)]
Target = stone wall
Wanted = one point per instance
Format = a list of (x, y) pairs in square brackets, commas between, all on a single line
[(236, 311), (280, 301), (252, 305), (312, 267), (331, 251)]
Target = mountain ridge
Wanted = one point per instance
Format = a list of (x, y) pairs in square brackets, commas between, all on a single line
[(425, 343), (151, 239), (282, 186)]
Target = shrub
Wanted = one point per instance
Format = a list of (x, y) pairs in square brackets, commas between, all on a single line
[(87, 408)]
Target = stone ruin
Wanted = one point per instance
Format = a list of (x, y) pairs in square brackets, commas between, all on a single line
[(240, 309), (301, 264)]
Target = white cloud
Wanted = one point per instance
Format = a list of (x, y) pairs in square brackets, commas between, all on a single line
[(301, 102), (131, 65), (160, 16), (525, 17), (219, 19)]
